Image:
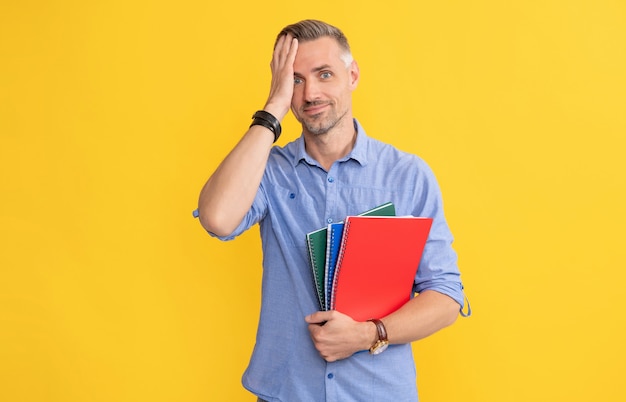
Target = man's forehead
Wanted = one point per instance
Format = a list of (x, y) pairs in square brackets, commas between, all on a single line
[(315, 53)]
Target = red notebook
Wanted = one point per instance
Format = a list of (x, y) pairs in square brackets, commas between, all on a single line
[(377, 263)]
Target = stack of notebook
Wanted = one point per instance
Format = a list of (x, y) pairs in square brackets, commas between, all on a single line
[(365, 266)]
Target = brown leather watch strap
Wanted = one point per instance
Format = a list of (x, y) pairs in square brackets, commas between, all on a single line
[(380, 327)]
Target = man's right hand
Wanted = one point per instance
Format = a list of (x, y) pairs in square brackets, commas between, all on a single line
[(281, 90)]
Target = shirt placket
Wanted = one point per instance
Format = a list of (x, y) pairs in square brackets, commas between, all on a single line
[(331, 195)]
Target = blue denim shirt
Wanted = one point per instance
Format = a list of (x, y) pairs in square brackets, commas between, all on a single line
[(297, 196)]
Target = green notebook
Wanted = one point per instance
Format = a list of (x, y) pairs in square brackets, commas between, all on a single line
[(316, 242)]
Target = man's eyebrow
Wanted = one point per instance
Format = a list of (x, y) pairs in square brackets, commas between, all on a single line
[(315, 69), (320, 68)]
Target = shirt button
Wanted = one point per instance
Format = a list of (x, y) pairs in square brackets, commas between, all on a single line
[(330, 180), (331, 376), (292, 196), (329, 220)]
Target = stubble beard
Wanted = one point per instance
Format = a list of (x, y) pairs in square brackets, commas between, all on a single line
[(319, 124)]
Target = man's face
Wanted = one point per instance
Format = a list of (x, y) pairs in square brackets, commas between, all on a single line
[(323, 85)]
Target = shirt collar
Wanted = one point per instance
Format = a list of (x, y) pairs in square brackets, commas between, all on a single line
[(358, 153)]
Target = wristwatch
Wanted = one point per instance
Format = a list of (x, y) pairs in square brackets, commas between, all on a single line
[(382, 343)]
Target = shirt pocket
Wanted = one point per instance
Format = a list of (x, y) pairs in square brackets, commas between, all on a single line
[(292, 214)]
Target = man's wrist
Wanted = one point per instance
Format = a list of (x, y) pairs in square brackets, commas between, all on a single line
[(277, 109), (381, 343), (368, 335), (267, 120), (372, 334)]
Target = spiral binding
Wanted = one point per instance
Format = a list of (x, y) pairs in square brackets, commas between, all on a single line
[(314, 276), (342, 249), (330, 267)]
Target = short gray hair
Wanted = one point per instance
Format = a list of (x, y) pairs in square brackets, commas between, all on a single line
[(308, 30)]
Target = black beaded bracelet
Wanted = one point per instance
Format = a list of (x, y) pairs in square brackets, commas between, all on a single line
[(265, 119)]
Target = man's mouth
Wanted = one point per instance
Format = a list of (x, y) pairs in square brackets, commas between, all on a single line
[(314, 108)]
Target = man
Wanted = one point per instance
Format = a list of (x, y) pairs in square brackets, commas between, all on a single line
[(331, 171)]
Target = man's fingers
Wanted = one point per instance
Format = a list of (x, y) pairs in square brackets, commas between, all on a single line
[(282, 49), (318, 317), (293, 49)]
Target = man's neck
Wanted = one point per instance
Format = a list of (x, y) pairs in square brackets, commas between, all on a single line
[(333, 145)]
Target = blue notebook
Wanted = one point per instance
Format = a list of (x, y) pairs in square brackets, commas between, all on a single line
[(333, 244)]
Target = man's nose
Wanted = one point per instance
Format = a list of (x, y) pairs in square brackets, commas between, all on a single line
[(311, 91)]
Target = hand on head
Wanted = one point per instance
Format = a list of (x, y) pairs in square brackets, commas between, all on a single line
[(281, 90)]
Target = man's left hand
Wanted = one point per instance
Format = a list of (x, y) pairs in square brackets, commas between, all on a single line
[(337, 336)]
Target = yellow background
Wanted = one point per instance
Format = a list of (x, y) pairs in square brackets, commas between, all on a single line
[(114, 113)]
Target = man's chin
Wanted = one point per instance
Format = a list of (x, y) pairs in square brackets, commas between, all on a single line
[(318, 129)]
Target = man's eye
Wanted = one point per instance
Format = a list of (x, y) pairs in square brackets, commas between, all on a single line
[(326, 75), (297, 80)]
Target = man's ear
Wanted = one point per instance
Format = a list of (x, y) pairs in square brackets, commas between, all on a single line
[(355, 74)]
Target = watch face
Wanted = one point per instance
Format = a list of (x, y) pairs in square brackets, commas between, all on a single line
[(379, 347)]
